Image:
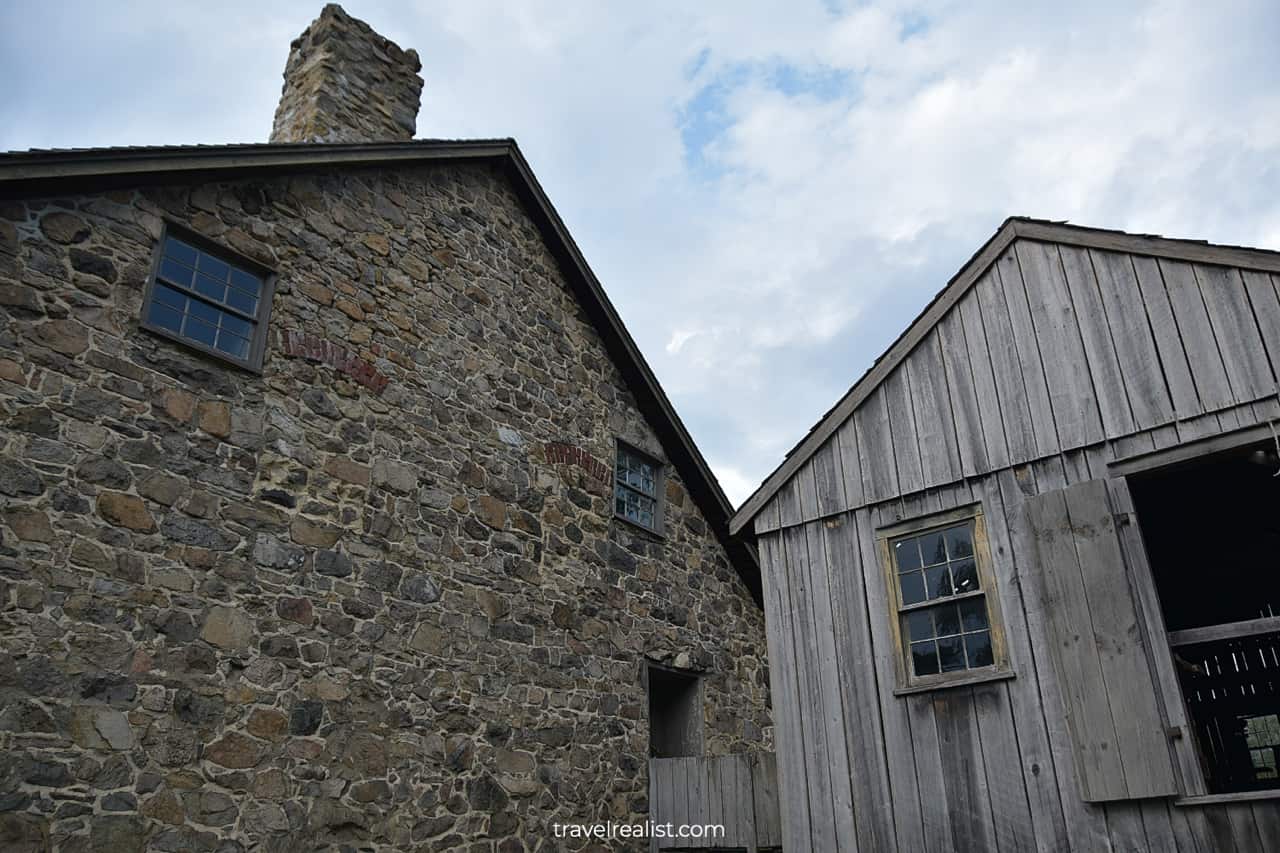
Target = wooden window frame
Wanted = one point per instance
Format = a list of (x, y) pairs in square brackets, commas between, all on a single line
[(258, 345), (659, 484), (1000, 669)]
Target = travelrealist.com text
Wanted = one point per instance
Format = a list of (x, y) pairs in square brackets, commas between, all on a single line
[(647, 829)]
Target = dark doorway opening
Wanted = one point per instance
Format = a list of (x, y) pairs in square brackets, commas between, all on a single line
[(675, 713), (1212, 533)]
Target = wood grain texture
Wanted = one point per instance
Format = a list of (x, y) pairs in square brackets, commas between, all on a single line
[(1072, 398), (1213, 384), (932, 407), (1239, 340), (1027, 345), (1096, 333)]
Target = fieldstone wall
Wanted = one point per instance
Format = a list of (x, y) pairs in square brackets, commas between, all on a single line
[(345, 83), (294, 610)]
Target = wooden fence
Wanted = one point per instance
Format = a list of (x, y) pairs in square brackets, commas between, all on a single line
[(738, 792)]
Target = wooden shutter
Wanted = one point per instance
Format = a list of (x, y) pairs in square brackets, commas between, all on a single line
[(1121, 746)]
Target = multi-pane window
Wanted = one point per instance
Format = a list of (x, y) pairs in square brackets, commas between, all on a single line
[(636, 486), (941, 590), (208, 301)]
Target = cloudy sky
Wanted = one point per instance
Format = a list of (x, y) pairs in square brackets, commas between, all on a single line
[(770, 192)]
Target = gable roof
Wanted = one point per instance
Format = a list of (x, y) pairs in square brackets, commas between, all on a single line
[(48, 172), (1013, 228)]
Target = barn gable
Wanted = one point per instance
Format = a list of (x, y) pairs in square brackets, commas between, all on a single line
[(1052, 338)]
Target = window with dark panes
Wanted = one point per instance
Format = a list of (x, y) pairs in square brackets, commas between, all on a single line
[(208, 300), (637, 486), (942, 588)]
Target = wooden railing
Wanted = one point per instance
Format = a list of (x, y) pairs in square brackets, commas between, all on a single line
[(738, 792)]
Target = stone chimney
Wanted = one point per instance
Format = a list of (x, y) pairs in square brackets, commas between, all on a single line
[(346, 83)]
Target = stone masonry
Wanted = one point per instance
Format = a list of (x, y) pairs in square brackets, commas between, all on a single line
[(298, 611), (346, 83)]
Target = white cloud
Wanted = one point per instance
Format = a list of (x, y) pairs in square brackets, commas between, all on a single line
[(845, 162)]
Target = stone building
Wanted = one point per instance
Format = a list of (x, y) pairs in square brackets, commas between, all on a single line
[(311, 535)]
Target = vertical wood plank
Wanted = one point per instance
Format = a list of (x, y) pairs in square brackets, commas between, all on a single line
[(1075, 656), (902, 426), (1265, 300), (850, 463), (935, 810), (1157, 825), (1139, 361), (1236, 331), (1124, 821), (1029, 694), (1028, 351), (1266, 815), (873, 803), (1005, 364), (931, 405), (828, 490), (899, 746), (765, 796), (809, 692), (1011, 815), (971, 443), (875, 447), (1152, 618), (968, 799), (1139, 728), (1207, 368), (826, 682), (1168, 339), (792, 782), (1099, 348), (1243, 830), (1071, 392)]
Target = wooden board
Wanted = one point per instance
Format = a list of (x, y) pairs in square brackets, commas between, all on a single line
[(1167, 337), (875, 448), (902, 428), (1099, 347), (932, 405), (1027, 345), (1213, 385), (1236, 331), (1057, 333)]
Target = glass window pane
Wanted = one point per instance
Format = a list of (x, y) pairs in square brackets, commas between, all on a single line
[(938, 581), (233, 345), (924, 659), (210, 287), (236, 326), (169, 297), (907, 554), (175, 272), (215, 268), (166, 317), (912, 587), (965, 573), (242, 301), (951, 654), (247, 282), (933, 549), (180, 251), (919, 625), (200, 332), (959, 541), (979, 648), (205, 312), (947, 619), (973, 614)]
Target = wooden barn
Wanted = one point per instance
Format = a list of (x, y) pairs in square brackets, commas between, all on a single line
[(1022, 582)]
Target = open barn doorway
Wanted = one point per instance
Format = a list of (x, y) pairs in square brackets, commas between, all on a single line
[(1212, 533)]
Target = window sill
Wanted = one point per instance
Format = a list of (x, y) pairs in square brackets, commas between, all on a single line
[(638, 526), (1237, 797), (965, 681)]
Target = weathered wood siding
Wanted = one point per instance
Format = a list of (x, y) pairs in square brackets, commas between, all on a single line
[(1057, 361), (738, 792)]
